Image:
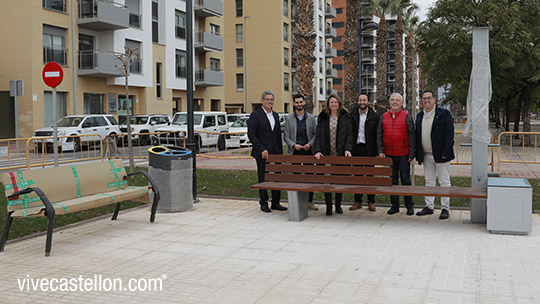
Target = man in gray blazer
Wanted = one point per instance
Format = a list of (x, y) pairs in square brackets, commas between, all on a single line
[(300, 127)]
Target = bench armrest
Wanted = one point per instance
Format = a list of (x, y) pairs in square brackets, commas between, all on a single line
[(150, 180), (44, 199)]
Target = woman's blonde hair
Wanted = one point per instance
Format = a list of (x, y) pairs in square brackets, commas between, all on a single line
[(327, 107)]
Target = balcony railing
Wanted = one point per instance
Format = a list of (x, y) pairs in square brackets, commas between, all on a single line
[(205, 77), (57, 54), (331, 52), (102, 15), (331, 73), (330, 32), (208, 8), (330, 12), (98, 64), (208, 42)]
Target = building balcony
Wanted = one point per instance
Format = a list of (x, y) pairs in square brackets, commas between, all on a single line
[(366, 17), (207, 42), (101, 15), (98, 64), (208, 8), (330, 32), (208, 78), (331, 91), (330, 12), (331, 73), (368, 43), (331, 52), (367, 72), (368, 87)]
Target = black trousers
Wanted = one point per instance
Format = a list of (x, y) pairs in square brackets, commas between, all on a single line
[(361, 150), (263, 194), (401, 169), (304, 152)]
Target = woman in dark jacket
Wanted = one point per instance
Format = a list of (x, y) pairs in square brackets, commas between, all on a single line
[(333, 138)]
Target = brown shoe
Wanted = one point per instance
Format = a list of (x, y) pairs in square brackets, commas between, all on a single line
[(356, 206), (311, 206), (371, 206)]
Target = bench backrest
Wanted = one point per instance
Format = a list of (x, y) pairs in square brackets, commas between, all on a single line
[(341, 170), (64, 182)]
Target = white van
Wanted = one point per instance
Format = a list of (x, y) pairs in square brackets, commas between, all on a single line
[(206, 125)]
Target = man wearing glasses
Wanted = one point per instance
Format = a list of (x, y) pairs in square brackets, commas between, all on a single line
[(264, 132), (435, 148)]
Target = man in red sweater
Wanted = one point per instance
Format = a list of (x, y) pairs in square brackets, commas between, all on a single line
[(396, 139)]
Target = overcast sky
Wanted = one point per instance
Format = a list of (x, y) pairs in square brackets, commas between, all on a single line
[(423, 4)]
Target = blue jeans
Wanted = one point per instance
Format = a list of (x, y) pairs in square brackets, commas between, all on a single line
[(401, 169)]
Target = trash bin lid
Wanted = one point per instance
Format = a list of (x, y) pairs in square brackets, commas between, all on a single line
[(508, 182), (158, 150)]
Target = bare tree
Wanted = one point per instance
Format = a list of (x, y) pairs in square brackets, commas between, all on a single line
[(126, 60)]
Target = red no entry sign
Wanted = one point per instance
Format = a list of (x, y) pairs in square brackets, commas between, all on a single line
[(52, 74)]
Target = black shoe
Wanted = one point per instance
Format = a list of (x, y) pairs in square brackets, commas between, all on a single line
[(424, 211), (392, 210), (264, 208), (410, 211), (329, 209), (278, 207), (444, 214), (339, 210)]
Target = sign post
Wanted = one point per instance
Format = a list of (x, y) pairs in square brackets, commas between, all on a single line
[(53, 76), (16, 89)]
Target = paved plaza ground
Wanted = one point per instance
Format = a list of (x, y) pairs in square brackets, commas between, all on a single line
[(227, 251)]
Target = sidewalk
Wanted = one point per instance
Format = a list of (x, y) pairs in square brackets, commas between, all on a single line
[(227, 251)]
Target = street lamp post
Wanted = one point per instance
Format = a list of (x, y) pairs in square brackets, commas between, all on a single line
[(245, 67)]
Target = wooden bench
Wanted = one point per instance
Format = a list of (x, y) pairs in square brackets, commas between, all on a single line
[(299, 175), (66, 189)]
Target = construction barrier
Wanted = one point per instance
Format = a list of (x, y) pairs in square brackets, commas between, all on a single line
[(524, 152)]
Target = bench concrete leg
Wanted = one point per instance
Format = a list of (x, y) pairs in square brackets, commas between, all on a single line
[(298, 205)]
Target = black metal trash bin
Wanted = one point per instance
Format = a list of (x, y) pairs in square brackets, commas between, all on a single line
[(171, 167)]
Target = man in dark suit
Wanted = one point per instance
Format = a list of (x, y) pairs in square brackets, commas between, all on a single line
[(365, 123), (264, 132)]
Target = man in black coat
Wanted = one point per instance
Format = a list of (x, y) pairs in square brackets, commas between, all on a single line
[(364, 125), (264, 132), (435, 148)]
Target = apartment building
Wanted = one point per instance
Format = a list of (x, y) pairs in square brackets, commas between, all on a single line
[(259, 53), (83, 37)]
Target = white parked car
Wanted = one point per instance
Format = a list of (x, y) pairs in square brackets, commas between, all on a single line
[(206, 125), (76, 125), (231, 118), (241, 138), (145, 124)]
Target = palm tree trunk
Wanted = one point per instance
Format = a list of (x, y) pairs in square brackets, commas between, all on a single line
[(350, 48), (304, 45), (381, 63), (399, 56)]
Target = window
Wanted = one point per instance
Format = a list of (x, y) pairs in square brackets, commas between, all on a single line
[(239, 82), (86, 52), (340, 53), (239, 12), (209, 121), (155, 22), (286, 8), (239, 33), (285, 32), (239, 57), (286, 81), (338, 67), (181, 68), (56, 5), (100, 121), (135, 67), (214, 29), (214, 64), (320, 23), (320, 65), (134, 13), (337, 81), (221, 118), (338, 24), (214, 106), (158, 80), (320, 44), (180, 22), (286, 56), (93, 103), (337, 39), (54, 44), (321, 87), (339, 10), (320, 5)]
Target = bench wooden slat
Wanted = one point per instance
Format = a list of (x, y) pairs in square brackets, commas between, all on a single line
[(325, 179), (321, 169), (337, 160), (384, 190)]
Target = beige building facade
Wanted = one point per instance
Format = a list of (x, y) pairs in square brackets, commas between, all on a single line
[(84, 42)]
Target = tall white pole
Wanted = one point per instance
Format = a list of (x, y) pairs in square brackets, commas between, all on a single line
[(55, 128)]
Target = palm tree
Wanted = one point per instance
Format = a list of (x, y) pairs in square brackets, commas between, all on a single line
[(381, 8), (350, 50), (304, 50), (412, 41)]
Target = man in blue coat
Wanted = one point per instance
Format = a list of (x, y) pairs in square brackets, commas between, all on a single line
[(264, 132), (435, 148)]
